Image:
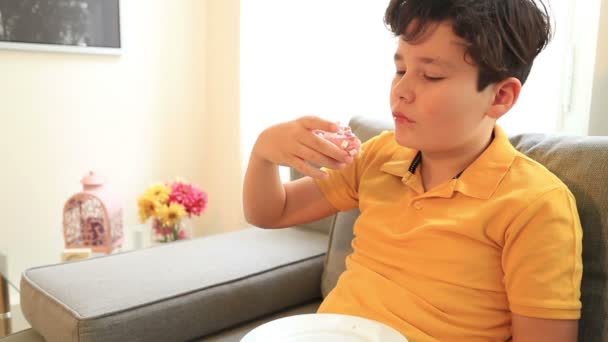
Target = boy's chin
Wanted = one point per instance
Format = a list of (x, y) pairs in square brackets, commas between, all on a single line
[(406, 140)]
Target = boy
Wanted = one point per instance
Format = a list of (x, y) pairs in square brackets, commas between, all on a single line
[(460, 237)]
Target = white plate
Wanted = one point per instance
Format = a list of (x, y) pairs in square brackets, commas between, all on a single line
[(323, 328)]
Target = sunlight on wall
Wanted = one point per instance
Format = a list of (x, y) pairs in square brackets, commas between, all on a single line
[(310, 58)]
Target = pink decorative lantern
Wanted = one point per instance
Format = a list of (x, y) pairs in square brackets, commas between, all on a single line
[(93, 218)]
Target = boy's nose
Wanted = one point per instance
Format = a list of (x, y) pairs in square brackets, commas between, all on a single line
[(403, 90), (407, 97)]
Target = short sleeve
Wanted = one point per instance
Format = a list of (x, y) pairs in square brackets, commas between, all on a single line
[(341, 188), (542, 258)]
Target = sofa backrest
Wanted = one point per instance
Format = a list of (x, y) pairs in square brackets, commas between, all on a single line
[(580, 162)]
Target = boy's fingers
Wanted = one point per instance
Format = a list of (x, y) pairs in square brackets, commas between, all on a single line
[(313, 122), (327, 148), (307, 169), (318, 158)]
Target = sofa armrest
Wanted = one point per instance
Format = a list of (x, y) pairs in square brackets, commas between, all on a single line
[(178, 291)]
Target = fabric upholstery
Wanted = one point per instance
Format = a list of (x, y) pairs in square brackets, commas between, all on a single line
[(202, 286), (237, 333), (339, 248)]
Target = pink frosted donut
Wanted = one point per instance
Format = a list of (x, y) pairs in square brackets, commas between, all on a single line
[(343, 138)]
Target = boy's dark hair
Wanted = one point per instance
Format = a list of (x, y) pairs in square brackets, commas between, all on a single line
[(503, 36)]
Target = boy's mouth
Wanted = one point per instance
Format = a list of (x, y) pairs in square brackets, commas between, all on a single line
[(400, 117)]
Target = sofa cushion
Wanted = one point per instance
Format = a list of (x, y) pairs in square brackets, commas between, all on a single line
[(339, 248), (237, 333), (200, 286)]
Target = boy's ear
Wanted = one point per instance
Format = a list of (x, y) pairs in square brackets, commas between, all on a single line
[(506, 93)]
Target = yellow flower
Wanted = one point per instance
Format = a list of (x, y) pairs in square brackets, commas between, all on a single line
[(171, 214), (148, 206), (160, 192)]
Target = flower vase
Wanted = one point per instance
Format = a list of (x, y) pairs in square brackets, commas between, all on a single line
[(162, 233)]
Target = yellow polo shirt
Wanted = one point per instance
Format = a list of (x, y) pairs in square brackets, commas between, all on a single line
[(452, 264)]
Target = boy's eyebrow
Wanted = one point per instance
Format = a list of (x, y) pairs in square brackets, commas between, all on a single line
[(426, 60)]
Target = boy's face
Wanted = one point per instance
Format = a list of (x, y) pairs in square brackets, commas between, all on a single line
[(434, 96)]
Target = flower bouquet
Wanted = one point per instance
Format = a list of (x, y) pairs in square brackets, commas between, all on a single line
[(169, 204)]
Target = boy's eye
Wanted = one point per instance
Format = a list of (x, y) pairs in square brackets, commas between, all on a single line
[(433, 79), (400, 72)]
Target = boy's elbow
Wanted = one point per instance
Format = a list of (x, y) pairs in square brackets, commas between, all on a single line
[(257, 223), (262, 217), (260, 222)]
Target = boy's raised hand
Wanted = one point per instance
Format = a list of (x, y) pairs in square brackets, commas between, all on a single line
[(295, 144)]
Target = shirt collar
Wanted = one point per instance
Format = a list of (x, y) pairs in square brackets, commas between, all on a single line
[(479, 180), (400, 162), (482, 177)]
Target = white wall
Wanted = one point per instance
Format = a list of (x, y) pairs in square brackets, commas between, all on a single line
[(222, 165), (599, 106), (304, 58), (137, 118)]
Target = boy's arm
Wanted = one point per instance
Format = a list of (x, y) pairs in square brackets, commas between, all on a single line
[(528, 329), (269, 203), (304, 202), (542, 260)]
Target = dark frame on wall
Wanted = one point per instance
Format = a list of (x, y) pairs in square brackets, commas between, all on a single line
[(78, 26)]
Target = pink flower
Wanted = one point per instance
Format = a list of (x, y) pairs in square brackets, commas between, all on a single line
[(182, 235), (193, 199)]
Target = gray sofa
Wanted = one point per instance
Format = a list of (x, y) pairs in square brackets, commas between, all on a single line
[(218, 288)]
